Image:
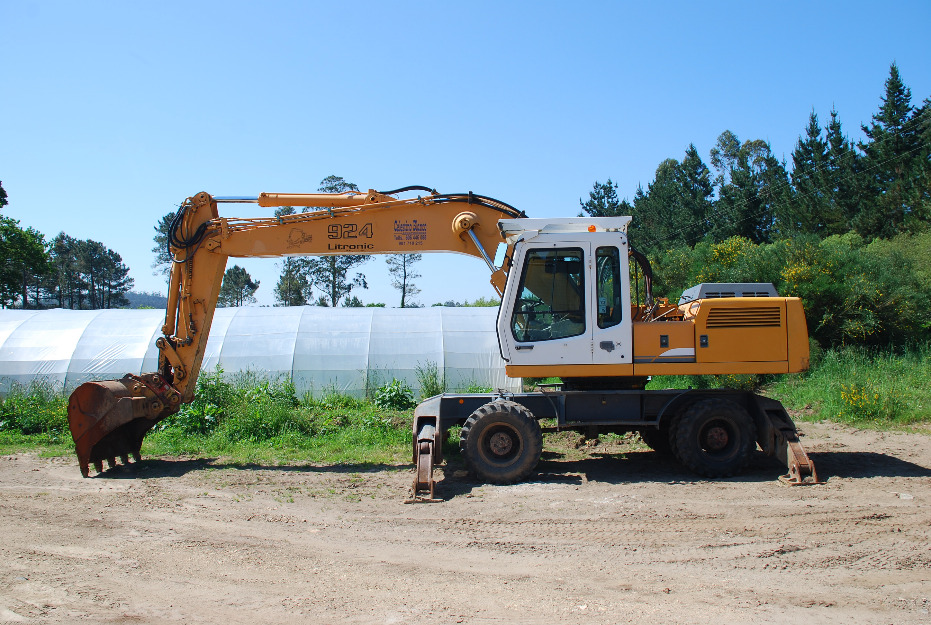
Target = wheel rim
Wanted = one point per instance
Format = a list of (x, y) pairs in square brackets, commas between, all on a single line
[(717, 438), (501, 444)]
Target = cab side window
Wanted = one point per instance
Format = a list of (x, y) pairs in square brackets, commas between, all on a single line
[(551, 298), (608, 278)]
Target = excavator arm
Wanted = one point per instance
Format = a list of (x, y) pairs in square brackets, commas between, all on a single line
[(109, 419)]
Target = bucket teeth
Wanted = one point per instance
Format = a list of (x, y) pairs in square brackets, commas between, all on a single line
[(124, 459), (98, 466)]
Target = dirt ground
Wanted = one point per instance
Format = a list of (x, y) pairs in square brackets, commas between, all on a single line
[(603, 539)]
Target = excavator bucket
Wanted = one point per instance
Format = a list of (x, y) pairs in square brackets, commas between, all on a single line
[(109, 419)]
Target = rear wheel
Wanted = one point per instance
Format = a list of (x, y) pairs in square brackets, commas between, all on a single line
[(501, 442), (714, 438)]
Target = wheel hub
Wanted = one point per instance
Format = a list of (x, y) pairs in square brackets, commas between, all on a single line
[(500, 443), (716, 438)]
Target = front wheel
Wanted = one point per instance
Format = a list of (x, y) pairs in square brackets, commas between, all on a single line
[(501, 442), (714, 438)]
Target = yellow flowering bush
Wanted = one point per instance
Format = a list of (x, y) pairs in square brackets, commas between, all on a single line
[(864, 401)]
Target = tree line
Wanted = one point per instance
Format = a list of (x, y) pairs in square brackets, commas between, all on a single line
[(64, 272), (846, 228)]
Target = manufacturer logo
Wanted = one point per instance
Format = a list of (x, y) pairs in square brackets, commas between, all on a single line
[(298, 237), (350, 247)]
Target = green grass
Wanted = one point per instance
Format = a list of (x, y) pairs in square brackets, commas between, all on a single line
[(16, 442), (274, 433), (34, 417), (864, 388)]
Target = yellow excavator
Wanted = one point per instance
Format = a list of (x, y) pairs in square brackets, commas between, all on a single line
[(568, 310)]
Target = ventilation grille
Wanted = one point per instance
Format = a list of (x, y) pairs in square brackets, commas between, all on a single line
[(760, 317), (713, 294), (707, 290)]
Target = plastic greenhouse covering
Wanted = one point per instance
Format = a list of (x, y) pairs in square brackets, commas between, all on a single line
[(321, 349)]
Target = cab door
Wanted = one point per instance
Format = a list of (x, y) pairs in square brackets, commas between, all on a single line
[(612, 327), (544, 318)]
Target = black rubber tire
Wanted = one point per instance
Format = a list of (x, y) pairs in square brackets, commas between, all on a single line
[(501, 442), (714, 438), (657, 439)]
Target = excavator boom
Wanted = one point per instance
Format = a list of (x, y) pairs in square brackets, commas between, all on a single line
[(109, 419)]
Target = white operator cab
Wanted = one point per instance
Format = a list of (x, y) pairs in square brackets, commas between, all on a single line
[(567, 299)]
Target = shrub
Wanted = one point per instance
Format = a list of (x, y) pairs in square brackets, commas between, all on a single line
[(865, 402), (281, 392), (213, 397), (854, 293), (333, 400), (39, 408), (395, 395), (431, 380), (217, 397)]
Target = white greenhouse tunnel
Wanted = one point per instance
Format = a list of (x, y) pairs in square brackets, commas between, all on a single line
[(320, 349)]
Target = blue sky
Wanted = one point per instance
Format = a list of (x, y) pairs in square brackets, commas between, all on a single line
[(114, 112)]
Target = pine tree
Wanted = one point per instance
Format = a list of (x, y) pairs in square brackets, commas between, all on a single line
[(752, 188), (697, 192), (655, 215), (674, 210), (891, 165), (921, 120), (23, 259), (840, 175), (238, 288), (161, 266), (293, 288), (603, 202), (330, 274), (403, 274), (64, 282), (86, 275), (808, 213), (115, 281), (91, 257)]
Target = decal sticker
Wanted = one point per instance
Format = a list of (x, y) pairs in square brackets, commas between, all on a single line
[(411, 233)]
